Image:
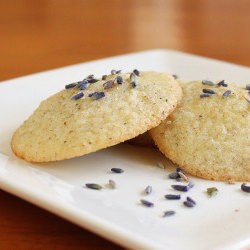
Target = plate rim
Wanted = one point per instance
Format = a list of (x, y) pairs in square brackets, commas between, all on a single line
[(123, 237)]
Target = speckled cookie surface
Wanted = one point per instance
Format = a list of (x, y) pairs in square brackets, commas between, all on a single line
[(68, 124), (209, 136)]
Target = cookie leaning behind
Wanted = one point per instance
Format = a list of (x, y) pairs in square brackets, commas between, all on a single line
[(76, 122), (208, 134)]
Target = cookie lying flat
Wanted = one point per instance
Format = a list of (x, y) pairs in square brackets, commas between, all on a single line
[(95, 114), (208, 135)]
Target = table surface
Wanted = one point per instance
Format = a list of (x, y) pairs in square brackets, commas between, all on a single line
[(40, 35)]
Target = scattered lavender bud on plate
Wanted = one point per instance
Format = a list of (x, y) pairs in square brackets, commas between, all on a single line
[(191, 200), (188, 204), (147, 203), (172, 196), (93, 186), (148, 189), (117, 170), (248, 86), (190, 185), (178, 175), (168, 213), (245, 188), (174, 175), (181, 188)]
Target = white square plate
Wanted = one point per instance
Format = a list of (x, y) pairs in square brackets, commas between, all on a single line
[(220, 222)]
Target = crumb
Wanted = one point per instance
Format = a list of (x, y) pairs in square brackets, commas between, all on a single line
[(231, 182), (160, 165)]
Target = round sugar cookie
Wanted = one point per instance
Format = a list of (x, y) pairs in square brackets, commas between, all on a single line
[(208, 135), (96, 113), (145, 139)]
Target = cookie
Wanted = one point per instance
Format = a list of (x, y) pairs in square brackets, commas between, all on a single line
[(96, 113), (145, 140), (208, 135)]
